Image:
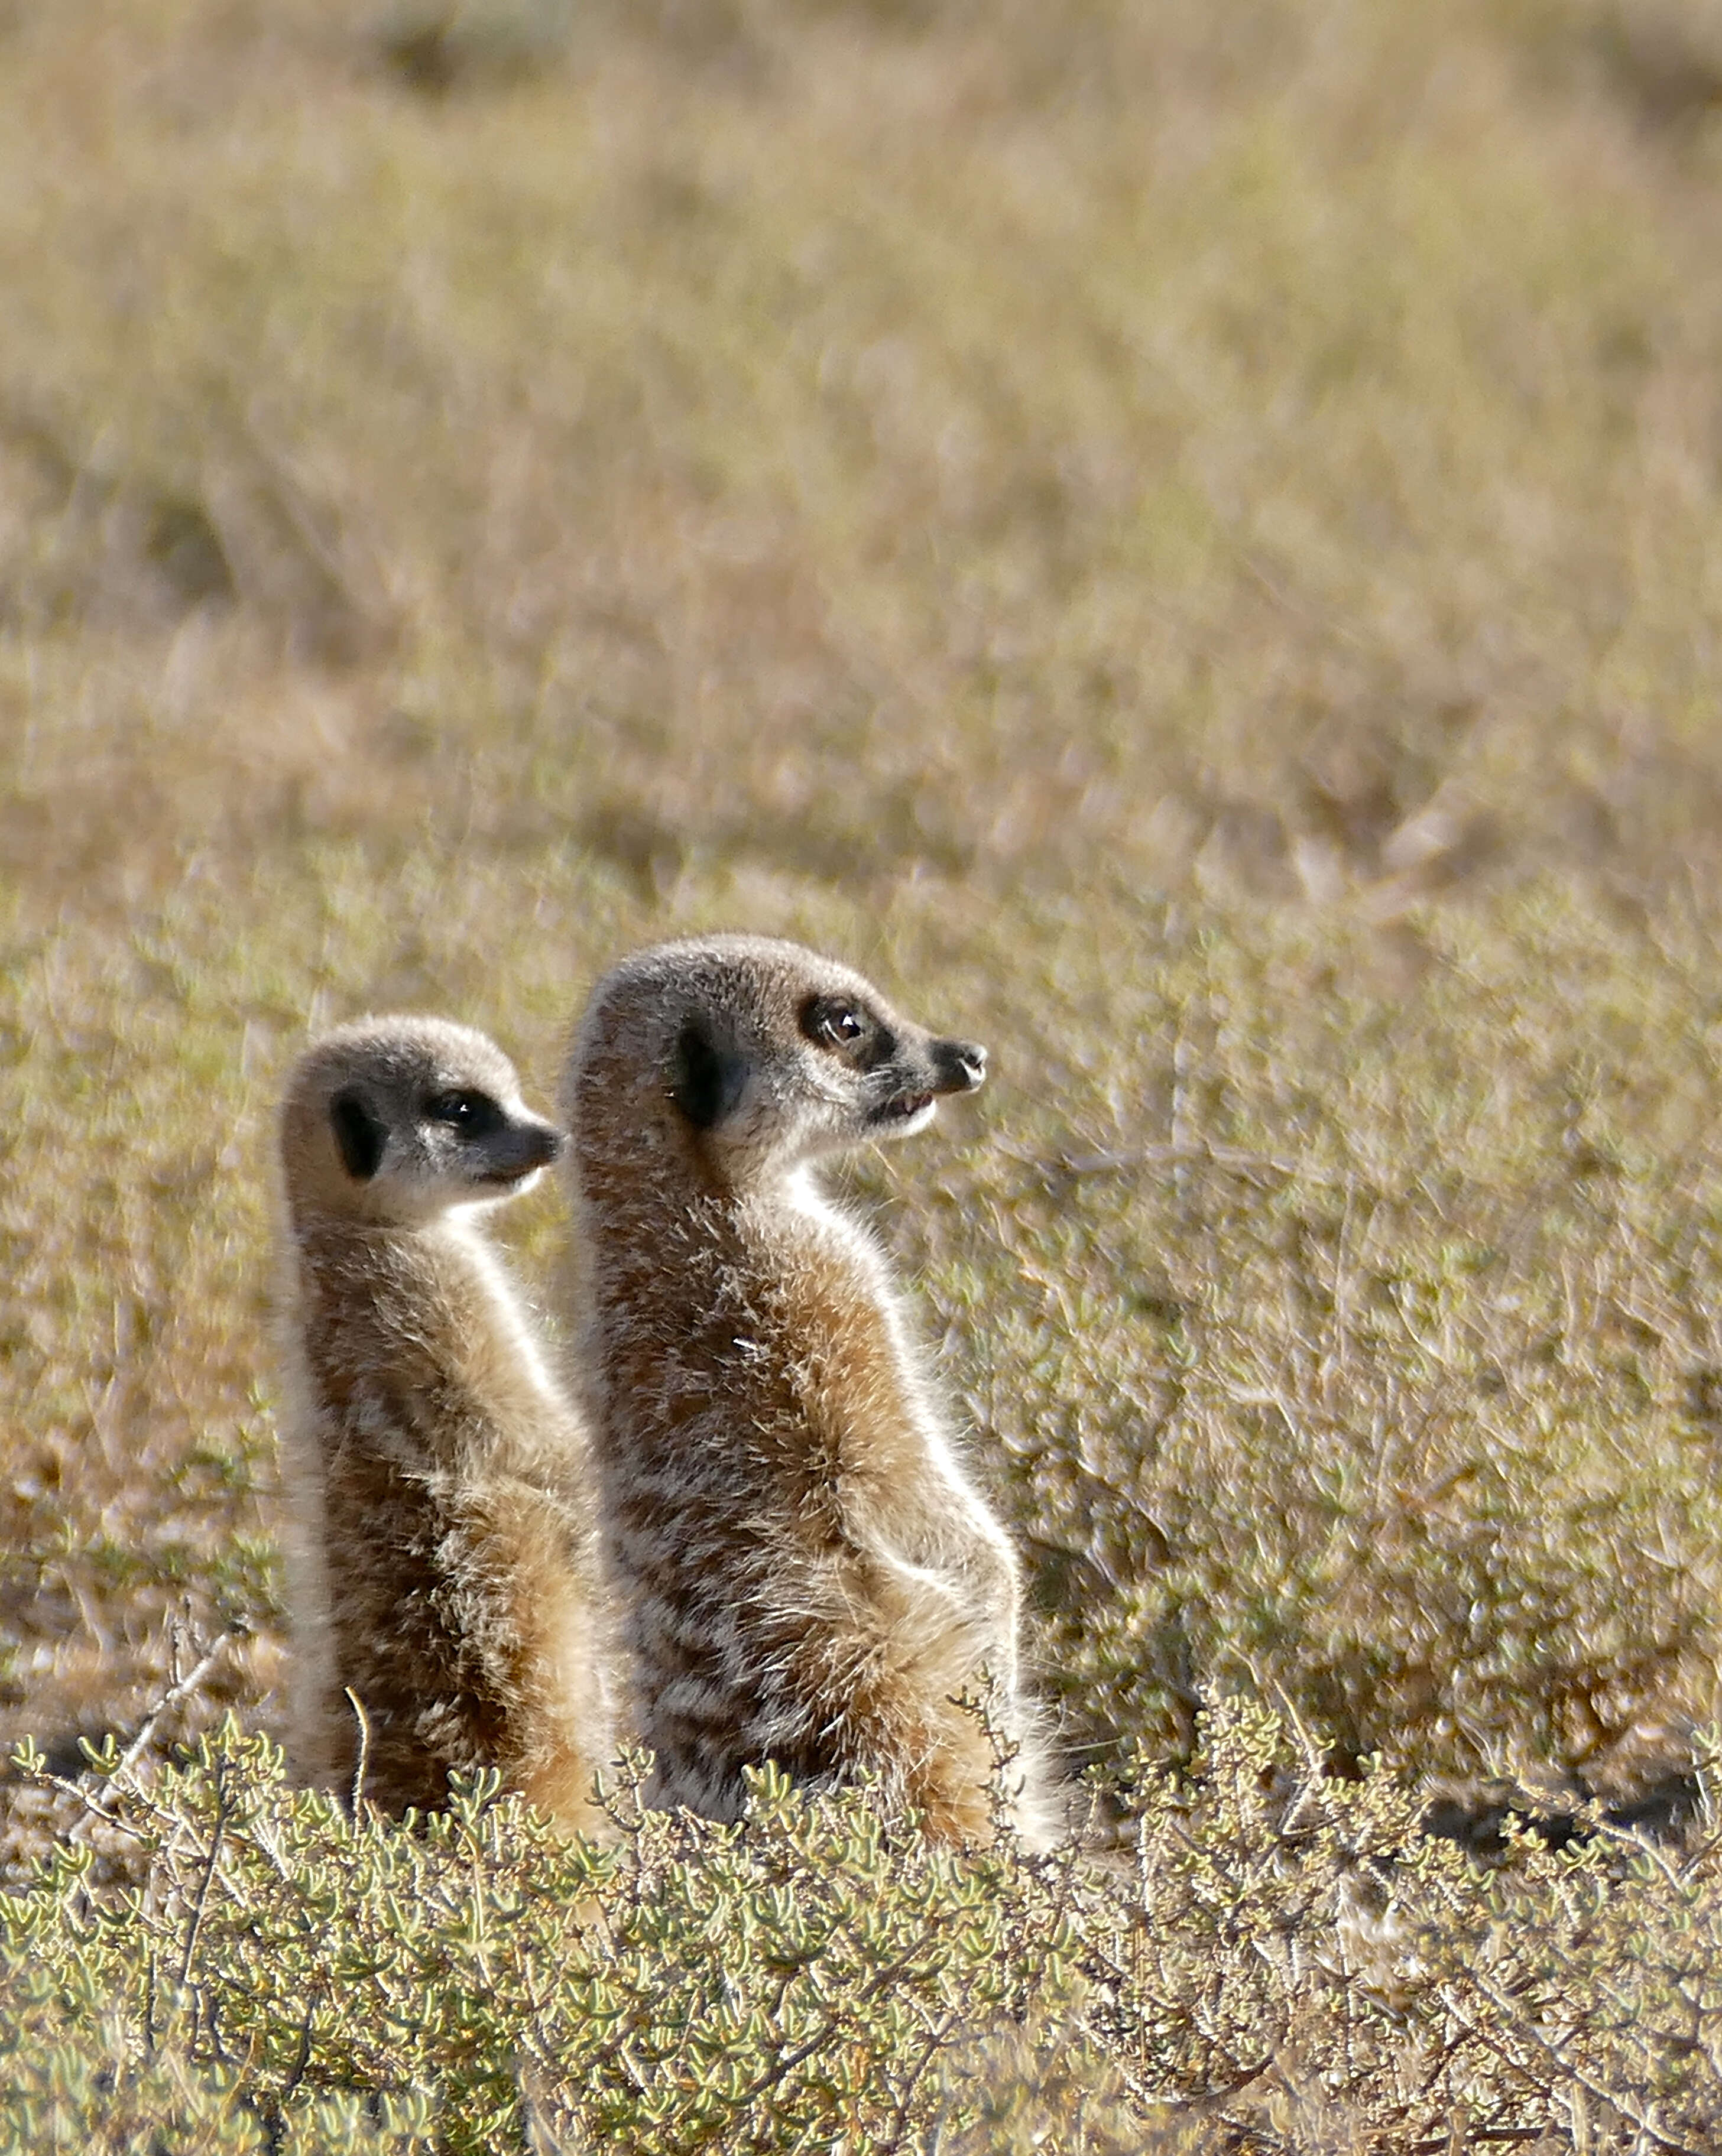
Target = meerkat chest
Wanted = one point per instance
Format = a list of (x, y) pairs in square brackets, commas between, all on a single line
[(747, 1352), (422, 1346), (840, 1342)]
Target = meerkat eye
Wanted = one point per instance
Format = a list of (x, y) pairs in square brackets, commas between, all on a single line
[(472, 1113), (829, 1024)]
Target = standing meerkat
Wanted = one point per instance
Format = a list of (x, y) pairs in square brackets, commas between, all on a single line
[(443, 1557), (805, 1571)]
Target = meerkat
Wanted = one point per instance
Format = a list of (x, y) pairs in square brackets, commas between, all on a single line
[(804, 1570), (442, 1561)]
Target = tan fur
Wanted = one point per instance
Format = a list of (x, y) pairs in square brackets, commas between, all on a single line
[(806, 1571), (442, 1561)]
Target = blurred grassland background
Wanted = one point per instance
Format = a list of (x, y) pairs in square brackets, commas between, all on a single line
[(1185, 539)]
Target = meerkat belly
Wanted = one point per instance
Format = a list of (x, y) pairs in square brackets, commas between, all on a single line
[(426, 1531), (767, 1592), (900, 1488)]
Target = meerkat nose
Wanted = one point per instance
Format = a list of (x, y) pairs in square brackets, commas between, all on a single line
[(962, 1064), (547, 1143)]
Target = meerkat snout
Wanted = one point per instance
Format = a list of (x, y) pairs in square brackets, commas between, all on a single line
[(963, 1062)]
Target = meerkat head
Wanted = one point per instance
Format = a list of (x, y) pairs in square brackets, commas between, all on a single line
[(396, 1120), (758, 1054)]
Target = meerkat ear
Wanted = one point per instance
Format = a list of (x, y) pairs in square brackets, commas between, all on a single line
[(706, 1081), (359, 1135)]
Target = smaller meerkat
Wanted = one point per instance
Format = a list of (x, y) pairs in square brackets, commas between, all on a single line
[(805, 1571), (442, 1558)]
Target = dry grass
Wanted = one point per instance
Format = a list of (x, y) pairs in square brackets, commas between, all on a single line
[(1183, 538)]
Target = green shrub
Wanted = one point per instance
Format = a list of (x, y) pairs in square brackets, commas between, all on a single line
[(1266, 1955)]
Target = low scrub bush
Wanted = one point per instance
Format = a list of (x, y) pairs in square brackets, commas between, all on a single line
[(1261, 1958)]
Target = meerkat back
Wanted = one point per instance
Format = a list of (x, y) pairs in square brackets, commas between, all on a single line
[(805, 1571), (443, 1569)]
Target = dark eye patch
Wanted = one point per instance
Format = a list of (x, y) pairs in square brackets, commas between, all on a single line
[(474, 1114), (358, 1133), (834, 1024), (829, 1022)]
